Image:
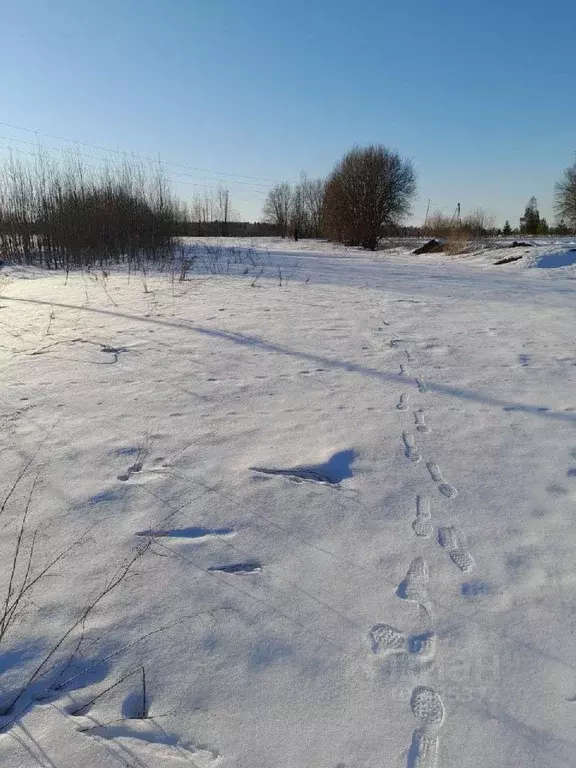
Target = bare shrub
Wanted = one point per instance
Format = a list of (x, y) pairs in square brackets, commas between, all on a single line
[(438, 225), (458, 234), (66, 215), (457, 242), (478, 223)]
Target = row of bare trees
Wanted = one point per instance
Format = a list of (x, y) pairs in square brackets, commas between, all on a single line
[(297, 209), (369, 190), (211, 212)]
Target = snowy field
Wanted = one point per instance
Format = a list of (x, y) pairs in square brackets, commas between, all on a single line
[(318, 515)]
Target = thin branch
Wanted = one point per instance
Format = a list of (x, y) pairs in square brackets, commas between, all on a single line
[(116, 580), (99, 696), (15, 559), (24, 470)]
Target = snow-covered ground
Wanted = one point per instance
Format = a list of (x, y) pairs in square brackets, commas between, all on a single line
[(357, 488)]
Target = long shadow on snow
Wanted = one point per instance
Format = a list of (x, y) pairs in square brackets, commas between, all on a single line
[(337, 468), (254, 341), (194, 532)]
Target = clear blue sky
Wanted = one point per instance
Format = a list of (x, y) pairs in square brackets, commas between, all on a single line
[(482, 96)]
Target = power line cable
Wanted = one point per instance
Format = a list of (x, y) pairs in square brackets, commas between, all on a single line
[(127, 159), (140, 157), (177, 181)]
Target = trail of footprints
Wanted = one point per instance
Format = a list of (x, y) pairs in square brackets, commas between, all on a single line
[(426, 704)]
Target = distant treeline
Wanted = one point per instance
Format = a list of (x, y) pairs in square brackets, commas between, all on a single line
[(65, 214), (227, 229)]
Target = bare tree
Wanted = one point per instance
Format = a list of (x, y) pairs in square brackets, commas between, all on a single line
[(208, 207), (565, 198), (223, 208), (198, 213), (313, 194), (298, 213), (369, 188), (277, 207)]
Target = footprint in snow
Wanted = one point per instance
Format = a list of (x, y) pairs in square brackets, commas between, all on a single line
[(557, 490), (415, 586), (422, 525), (403, 402), (454, 541), (386, 640), (427, 707), (420, 422), (445, 488), (411, 451)]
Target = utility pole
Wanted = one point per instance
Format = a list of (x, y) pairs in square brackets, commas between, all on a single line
[(427, 212), (456, 218)]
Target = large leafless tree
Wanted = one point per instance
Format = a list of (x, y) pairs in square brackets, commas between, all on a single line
[(313, 197), (565, 197), (223, 208), (277, 207), (370, 188), (298, 214)]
